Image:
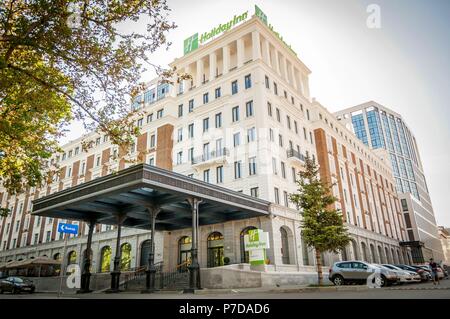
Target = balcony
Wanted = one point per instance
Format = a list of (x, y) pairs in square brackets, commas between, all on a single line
[(296, 155), (211, 158)]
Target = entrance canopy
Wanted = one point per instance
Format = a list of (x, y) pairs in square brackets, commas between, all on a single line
[(130, 192)]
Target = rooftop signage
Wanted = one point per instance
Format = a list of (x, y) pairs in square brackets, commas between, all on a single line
[(192, 43)]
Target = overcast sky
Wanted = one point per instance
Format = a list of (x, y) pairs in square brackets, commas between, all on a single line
[(403, 65)]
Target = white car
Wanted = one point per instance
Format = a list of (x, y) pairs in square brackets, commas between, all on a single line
[(404, 275)]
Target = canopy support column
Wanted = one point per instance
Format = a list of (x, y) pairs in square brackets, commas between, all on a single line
[(115, 274), (151, 269), (194, 267), (87, 261)]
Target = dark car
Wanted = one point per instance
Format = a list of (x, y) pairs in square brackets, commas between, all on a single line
[(424, 275), (16, 285)]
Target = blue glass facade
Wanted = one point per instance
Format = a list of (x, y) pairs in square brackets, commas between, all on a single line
[(389, 132), (360, 128)]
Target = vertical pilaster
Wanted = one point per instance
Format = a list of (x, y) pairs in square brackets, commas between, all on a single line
[(226, 59), (200, 71), (266, 52), (256, 46), (240, 50), (212, 66)]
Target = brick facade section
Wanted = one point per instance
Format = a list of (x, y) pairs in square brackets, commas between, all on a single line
[(164, 146)]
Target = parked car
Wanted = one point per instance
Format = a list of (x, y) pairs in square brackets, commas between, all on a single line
[(405, 276), (345, 272), (424, 275), (16, 285), (440, 272)]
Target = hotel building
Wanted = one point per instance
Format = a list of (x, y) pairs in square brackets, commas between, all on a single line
[(381, 128), (244, 122)]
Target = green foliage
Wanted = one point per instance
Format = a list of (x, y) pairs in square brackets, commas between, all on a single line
[(322, 226), (69, 59)]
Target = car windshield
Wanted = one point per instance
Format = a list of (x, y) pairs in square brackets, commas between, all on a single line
[(18, 280), (389, 266)]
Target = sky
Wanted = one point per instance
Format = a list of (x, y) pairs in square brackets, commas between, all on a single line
[(403, 65)]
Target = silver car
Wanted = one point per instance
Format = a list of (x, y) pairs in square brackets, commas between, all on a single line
[(356, 271), (404, 275)]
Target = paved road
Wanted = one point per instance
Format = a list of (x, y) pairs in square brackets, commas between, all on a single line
[(412, 291)]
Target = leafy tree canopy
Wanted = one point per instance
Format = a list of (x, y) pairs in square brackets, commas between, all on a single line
[(64, 60)]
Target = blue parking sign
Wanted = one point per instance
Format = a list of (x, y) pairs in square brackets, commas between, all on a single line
[(68, 228)]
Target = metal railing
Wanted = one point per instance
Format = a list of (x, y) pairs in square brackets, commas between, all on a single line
[(176, 277), (211, 155), (293, 153)]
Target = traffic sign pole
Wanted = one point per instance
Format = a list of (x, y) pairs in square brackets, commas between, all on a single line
[(63, 267)]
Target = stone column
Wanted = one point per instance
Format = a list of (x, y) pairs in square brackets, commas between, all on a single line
[(153, 211), (266, 52), (87, 261), (240, 52), (194, 267), (256, 46), (212, 66), (277, 62), (200, 71), (226, 59)]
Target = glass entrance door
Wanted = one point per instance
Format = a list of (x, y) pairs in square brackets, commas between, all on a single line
[(215, 256)]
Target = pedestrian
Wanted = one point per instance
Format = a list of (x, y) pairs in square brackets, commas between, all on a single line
[(434, 272)]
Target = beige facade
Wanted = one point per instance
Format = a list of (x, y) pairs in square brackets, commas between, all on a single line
[(245, 122)]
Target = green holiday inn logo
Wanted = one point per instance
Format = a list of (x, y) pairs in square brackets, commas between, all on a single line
[(191, 43)]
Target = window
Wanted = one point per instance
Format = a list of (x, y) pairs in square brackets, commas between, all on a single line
[(140, 122), (266, 79), (191, 105), (237, 169), (77, 149), (294, 175), (218, 93), (159, 113), (48, 237), (69, 171), (206, 176), (206, 153), (35, 241), (180, 110), (274, 166), (277, 195), (152, 140), (271, 136), (304, 134), (97, 142), (280, 140), (191, 130), (296, 127), (269, 108), (404, 205), (63, 157), (205, 125), (285, 94), (288, 121), (234, 87), (254, 192), (219, 149), (275, 88), (251, 134), (311, 138), (286, 198), (292, 100), (180, 134), (283, 170), (235, 113), (205, 98), (190, 154), (278, 115), (218, 120), (236, 139), (252, 166), (150, 118), (307, 114), (219, 174), (248, 81), (179, 157), (97, 163), (151, 161), (249, 108)]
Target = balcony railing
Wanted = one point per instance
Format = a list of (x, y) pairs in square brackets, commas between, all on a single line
[(211, 155), (293, 153)]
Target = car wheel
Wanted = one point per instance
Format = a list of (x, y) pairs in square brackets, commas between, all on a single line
[(1, 291), (382, 281), (14, 291), (338, 280)]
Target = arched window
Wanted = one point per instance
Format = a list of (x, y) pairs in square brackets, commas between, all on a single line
[(244, 254), (125, 257), (344, 254), (105, 259), (364, 251), (355, 250), (215, 249), (284, 246), (184, 251), (380, 255), (145, 252), (397, 257), (57, 256), (373, 255), (393, 256), (72, 257), (386, 252)]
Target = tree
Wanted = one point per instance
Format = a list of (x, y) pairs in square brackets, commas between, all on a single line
[(322, 226), (64, 60)]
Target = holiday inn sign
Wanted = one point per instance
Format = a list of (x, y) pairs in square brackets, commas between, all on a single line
[(192, 43)]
